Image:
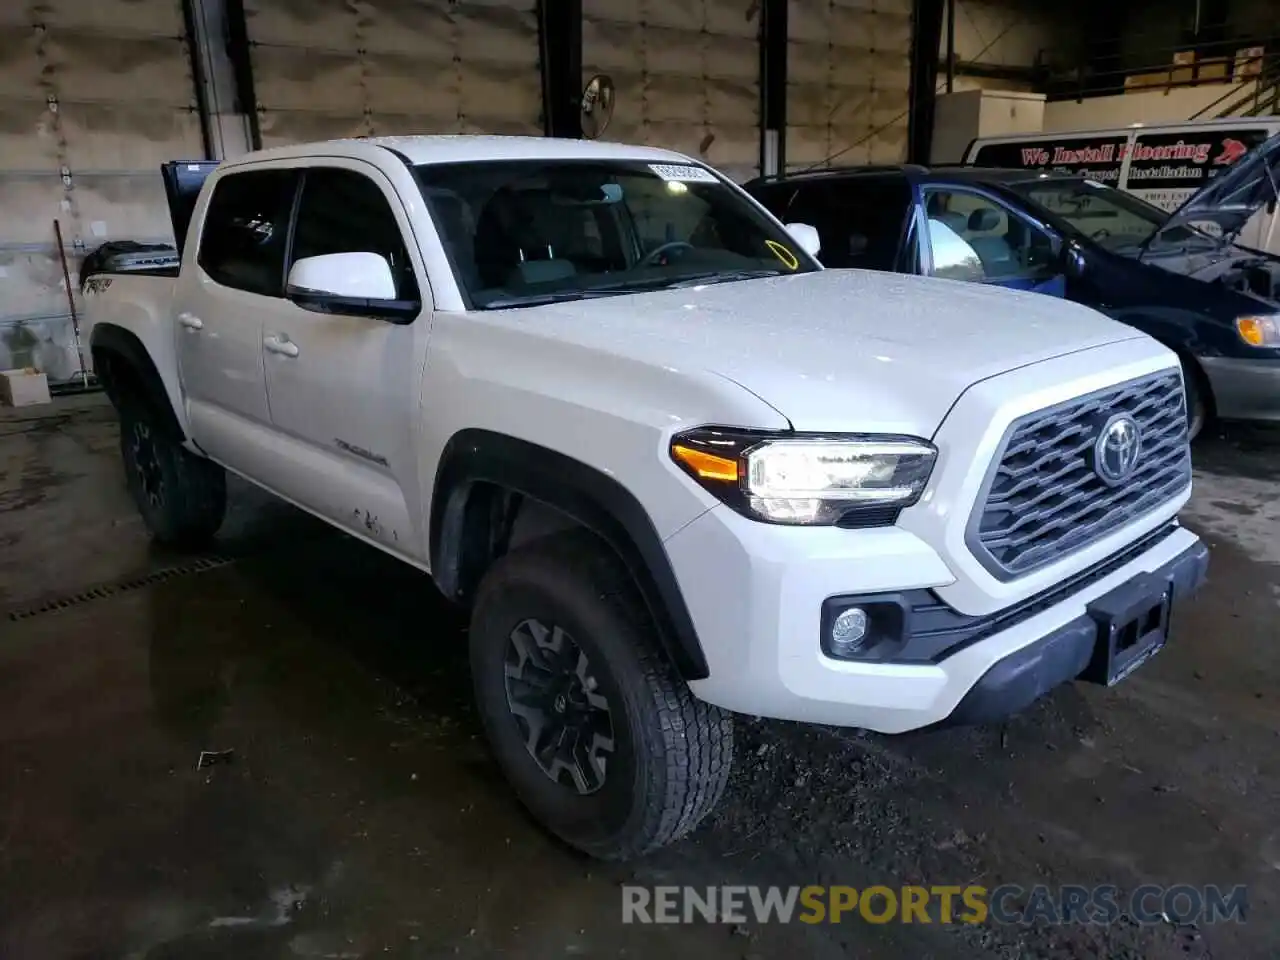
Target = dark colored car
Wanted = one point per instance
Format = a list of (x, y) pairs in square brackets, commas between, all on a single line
[(1180, 278)]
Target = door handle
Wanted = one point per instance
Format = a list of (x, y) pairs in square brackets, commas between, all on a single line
[(190, 321), (285, 348)]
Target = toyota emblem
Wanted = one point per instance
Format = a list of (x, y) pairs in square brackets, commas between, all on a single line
[(1116, 451)]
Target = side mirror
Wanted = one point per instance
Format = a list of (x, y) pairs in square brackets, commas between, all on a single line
[(806, 236), (351, 284), (1072, 260)]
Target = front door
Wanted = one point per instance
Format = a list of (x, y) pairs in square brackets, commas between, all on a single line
[(974, 237), (224, 288), (344, 390)]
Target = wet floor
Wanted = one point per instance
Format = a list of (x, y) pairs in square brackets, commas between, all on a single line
[(350, 808)]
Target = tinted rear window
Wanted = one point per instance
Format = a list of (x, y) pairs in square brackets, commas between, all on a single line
[(861, 222)]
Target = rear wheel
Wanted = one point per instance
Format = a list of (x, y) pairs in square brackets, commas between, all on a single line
[(601, 740), (182, 497)]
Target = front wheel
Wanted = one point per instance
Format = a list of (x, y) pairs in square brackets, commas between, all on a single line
[(601, 740), (182, 497)]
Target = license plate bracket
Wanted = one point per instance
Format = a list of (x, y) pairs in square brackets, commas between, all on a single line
[(1133, 625)]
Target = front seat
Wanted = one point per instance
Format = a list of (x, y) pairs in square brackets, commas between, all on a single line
[(993, 250)]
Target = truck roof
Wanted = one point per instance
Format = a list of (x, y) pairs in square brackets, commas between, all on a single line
[(453, 148)]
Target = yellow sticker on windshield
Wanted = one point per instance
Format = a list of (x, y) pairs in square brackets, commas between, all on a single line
[(783, 254)]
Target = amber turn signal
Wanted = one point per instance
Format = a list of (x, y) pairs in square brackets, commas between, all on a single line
[(706, 466)]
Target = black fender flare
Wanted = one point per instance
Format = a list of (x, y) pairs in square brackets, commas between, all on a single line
[(117, 345), (596, 501)]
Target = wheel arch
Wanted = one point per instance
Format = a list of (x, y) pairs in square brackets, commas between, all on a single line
[(126, 371), (462, 542)]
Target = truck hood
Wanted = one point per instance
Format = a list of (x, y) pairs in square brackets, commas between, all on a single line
[(835, 349), (1231, 199)]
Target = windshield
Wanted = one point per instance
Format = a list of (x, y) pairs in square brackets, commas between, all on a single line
[(525, 232), (1112, 218)]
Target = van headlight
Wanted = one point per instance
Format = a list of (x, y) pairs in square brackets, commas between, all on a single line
[(852, 480), (1259, 331)]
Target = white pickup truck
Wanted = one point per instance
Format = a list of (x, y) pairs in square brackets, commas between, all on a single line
[(674, 467)]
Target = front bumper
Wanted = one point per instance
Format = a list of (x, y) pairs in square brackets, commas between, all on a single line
[(1064, 654), (756, 594), (1244, 389)]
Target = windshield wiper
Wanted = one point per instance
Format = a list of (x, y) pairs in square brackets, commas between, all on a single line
[(633, 286), (542, 299), (693, 280), (722, 276)]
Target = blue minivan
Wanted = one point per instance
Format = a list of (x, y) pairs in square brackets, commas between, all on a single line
[(1181, 278)]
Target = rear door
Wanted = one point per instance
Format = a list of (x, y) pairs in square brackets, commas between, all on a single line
[(183, 180), (1099, 156), (1166, 167), (233, 276)]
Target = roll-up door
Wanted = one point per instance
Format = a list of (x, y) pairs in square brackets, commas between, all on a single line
[(848, 81), (686, 75), (94, 96), (330, 68)]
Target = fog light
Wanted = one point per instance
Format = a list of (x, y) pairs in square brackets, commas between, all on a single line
[(848, 631)]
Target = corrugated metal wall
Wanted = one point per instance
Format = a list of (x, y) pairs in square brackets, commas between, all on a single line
[(331, 68), (687, 75), (94, 95), (848, 81)]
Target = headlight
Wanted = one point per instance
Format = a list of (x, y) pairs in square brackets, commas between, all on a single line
[(811, 480), (1263, 331)]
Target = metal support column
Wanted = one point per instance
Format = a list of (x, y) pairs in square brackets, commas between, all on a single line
[(225, 127), (951, 46), (773, 87), (235, 32), (926, 38), (560, 57)]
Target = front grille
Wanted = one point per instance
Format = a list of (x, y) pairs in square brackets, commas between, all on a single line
[(1044, 499)]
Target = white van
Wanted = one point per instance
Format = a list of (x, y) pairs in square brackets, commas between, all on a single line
[(1163, 165)]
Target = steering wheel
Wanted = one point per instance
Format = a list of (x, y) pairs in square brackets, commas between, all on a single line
[(653, 257), (1100, 234)]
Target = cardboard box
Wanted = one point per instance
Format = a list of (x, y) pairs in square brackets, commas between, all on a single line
[(1249, 62), (1184, 58), (1145, 81), (1182, 74), (1214, 70), (23, 388)]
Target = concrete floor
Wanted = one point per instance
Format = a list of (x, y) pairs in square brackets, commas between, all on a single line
[(360, 815)]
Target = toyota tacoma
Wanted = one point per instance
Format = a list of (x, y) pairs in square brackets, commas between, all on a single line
[(674, 468)]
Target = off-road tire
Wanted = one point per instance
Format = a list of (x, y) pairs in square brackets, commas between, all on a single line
[(182, 497), (673, 752)]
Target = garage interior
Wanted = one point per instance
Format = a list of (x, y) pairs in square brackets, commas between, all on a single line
[(269, 750)]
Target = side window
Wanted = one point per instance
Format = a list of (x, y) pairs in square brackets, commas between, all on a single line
[(813, 204), (243, 239), (776, 198), (342, 211), (861, 221), (1006, 246)]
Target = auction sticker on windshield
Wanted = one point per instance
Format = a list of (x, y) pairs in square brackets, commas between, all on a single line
[(682, 174)]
